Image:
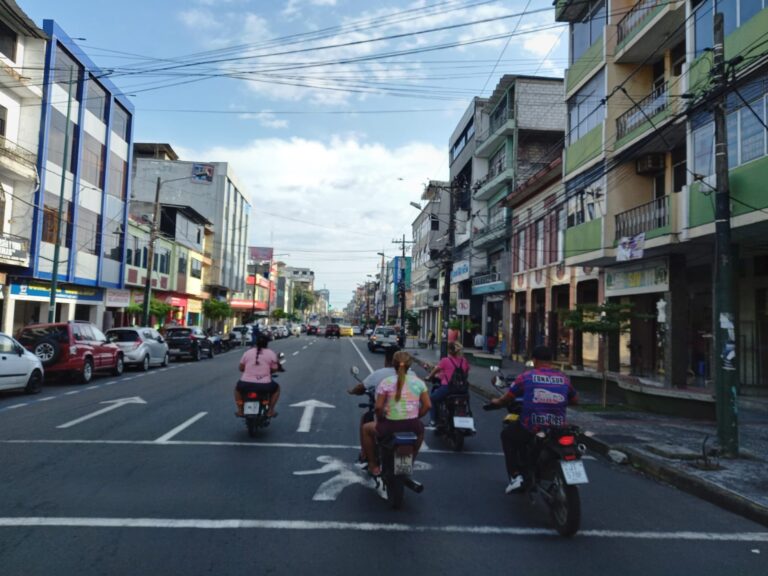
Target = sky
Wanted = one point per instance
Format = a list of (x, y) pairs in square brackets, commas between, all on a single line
[(334, 114)]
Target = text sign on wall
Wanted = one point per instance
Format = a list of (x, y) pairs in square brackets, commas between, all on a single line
[(460, 271), (462, 307), (651, 277)]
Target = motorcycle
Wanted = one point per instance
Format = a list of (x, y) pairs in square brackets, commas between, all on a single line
[(256, 405), (396, 451), (554, 468), (454, 419)]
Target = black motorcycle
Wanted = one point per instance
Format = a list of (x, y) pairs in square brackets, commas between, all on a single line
[(396, 451), (256, 405), (454, 419), (554, 467)]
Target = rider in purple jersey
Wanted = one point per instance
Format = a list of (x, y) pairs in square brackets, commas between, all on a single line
[(546, 393)]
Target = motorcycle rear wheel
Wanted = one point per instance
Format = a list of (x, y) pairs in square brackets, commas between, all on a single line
[(252, 427), (564, 506), (456, 440), (395, 492)]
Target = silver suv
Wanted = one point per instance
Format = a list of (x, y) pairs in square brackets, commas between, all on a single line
[(382, 337), (142, 347)]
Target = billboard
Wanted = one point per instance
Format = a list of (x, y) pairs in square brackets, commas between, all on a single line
[(260, 253), (202, 173)]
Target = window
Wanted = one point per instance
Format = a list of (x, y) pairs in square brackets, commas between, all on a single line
[(112, 247), (182, 264), (131, 248), (196, 270), (679, 169), (65, 69), (498, 162), (434, 222), (584, 205), (539, 232), (120, 119), (3, 119), (56, 137), (561, 226), (735, 13), (87, 231), (752, 133), (8, 40), (92, 166), (704, 150), (96, 100), (520, 264), (588, 31), (586, 108), (51, 222), (118, 172)]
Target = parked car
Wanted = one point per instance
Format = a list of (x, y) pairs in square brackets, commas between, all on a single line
[(320, 330), (73, 348), (332, 331), (381, 338), (345, 330), (312, 330), (283, 331), (368, 332), (356, 331), (142, 347), (189, 341), (19, 368), (243, 330)]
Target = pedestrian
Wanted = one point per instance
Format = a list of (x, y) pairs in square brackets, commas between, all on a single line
[(491, 341), (478, 342), (431, 340)]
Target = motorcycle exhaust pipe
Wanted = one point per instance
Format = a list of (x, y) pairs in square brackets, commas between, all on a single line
[(412, 484)]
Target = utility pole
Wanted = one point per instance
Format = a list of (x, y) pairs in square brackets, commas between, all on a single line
[(64, 164), (151, 254), (401, 289), (447, 271), (724, 318)]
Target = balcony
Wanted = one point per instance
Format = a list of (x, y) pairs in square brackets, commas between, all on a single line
[(495, 180), (14, 250), (495, 280), (502, 127), (648, 25), (644, 112), (17, 161), (496, 230), (653, 218)]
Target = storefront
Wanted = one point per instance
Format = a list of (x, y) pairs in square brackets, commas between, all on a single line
[(28, 301), (194, 312), (116, 302)]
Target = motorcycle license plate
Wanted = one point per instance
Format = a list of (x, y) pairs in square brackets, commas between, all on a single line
[(464, 422), (574, 472), (403, 464), (251, 408)]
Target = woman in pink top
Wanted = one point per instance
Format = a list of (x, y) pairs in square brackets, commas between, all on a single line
[(445, 368), (257, 365)]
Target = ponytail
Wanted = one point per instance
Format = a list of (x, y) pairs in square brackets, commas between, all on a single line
[(402, 363)]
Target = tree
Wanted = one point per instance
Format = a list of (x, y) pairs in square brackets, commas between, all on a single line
[(215, 310), (159, 310), (303, 299), (278, 314), (412, 322), (606, 320)]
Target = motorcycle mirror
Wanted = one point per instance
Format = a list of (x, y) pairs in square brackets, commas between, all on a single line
[(354, 370)]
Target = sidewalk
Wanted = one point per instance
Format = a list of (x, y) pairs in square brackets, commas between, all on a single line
[(668, 448)]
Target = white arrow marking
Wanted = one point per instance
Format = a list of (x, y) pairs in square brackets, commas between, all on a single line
[(305, 425), (112, 405)]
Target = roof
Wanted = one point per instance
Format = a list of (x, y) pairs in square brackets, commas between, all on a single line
[(16, 18), (154, 150), (189, 212), (508, 80)]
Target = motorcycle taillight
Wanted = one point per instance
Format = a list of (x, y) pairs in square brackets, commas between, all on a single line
[(252, 395), (566, 440)]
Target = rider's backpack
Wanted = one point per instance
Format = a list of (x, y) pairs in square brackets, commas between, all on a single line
[(458, 384)]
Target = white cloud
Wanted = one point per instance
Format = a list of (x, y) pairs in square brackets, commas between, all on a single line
[(293, 7), (358, 193), (200, 20), (266, 119)]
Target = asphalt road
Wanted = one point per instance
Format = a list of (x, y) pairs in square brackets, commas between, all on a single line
[(168, 482)]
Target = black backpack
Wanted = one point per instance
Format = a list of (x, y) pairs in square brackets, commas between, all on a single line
[(458, 384)]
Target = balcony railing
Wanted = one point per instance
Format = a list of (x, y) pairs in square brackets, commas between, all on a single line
[(635, 18), (644, 218), (15, 152), (496, 228), (498, 273), (647, 108)]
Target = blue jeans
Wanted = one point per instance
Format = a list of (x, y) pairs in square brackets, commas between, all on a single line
[(437, 396)]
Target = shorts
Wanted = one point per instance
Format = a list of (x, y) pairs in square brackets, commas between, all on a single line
[(386, 427), (268, 387)]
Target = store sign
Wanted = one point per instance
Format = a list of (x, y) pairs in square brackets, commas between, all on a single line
[(462, 307), (460, 272), (202, 173), (79, 293), (194, 306), (118, 298), (630, 248), (638, 279)]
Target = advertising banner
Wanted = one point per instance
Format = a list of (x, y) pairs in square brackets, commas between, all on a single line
[(202, 173), (260, 253), (461, 271)]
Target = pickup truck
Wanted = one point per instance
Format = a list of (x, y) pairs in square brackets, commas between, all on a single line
[(382, 337)]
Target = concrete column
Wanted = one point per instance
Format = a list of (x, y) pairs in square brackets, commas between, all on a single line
[(677, 341), (9, 309)]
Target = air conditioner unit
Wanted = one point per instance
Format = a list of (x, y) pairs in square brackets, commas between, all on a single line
[(650, 164)]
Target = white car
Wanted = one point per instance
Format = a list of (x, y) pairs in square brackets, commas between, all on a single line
[(19, 368)]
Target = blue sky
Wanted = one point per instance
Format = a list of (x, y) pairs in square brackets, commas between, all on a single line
[(334, 113)]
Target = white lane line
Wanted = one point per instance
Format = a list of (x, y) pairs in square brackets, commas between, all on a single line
[(71, 392), (168, 435), (16, 406), (46, 399), (111, 383), (356, 447), (91, 388), (370, 369), (307, 525), (303, 347), (294, 354)]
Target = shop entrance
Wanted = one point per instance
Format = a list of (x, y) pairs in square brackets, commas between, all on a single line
[(519, 325), (559, 335), (538, 318)]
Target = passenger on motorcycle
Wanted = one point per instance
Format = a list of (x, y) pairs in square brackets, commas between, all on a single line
[(257, 365), (546, 393), (372, 381), (444, 369), (401, 401)]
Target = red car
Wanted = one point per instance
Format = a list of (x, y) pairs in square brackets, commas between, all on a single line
[(73, 348)]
